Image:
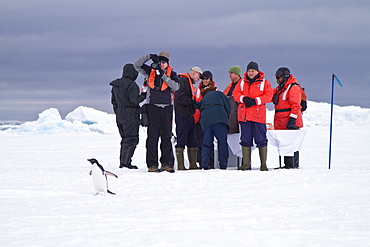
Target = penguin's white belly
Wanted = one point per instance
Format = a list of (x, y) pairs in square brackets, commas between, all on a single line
[(99, 180)]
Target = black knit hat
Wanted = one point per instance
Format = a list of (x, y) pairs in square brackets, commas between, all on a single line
[(252, 65), (207, 74)]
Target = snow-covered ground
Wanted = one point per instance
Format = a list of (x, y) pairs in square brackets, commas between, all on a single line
[(46, 193)]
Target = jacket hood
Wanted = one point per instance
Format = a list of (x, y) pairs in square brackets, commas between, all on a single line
[(129, 76), (130, 72)]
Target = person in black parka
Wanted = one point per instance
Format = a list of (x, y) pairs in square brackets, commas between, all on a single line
[(125, 100)]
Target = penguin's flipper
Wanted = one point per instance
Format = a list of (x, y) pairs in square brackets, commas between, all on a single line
[(90, 172), (111, 174), (110, 192)]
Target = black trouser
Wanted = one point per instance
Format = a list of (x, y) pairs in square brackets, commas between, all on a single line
[(160, 125), (185, 131), (127, 120)]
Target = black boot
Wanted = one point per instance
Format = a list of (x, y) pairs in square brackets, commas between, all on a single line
[(129, 166), (288, 162), (296, 160)]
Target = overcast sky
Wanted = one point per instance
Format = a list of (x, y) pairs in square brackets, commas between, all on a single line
[(64, 53)]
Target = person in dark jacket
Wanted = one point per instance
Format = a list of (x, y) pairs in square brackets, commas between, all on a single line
[(214, 119), (235, 74), (185, 105), (206, 81), (161, 82), (125, 100)]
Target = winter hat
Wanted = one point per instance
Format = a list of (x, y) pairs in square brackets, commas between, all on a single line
[(207, 74), (196, 69), (236, 70), (282, 72), (252, 65), (164, 56)]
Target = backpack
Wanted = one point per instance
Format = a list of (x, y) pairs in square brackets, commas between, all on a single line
[(303, 98)]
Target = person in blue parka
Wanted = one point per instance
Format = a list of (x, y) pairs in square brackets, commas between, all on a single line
[(214, 119)]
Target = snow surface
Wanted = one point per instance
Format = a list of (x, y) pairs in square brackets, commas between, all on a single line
[(46, 193)]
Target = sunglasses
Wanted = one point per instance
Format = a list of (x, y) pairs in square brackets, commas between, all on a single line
[(163, 62), (279, 74)]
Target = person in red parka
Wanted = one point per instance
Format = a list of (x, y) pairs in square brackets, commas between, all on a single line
[(253, 92), (287, 100)]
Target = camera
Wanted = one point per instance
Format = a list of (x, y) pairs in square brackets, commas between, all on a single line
[(155, 59), (154, 65)]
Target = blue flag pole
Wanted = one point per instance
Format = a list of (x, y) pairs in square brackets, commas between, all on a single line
[(333, 78)]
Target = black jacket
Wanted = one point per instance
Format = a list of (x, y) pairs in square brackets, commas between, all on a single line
[(184, 103), (125, 91)]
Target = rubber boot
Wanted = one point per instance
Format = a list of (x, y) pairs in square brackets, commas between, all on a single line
[(247, 152), (263, 158), (288, 162), (296, 160), (192, 156), (180, 159)]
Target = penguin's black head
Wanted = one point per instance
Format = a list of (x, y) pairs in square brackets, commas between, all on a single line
[(93, 161)]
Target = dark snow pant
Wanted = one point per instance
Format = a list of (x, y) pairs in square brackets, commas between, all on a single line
[(218, 130), (200, 137), (127, 120), (185, 131), (253, 130), (160, 125)]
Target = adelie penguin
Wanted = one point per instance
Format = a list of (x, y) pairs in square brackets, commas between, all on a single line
[(99, 176)]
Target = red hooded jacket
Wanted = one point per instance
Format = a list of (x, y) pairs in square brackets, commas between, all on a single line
[(288, 104)]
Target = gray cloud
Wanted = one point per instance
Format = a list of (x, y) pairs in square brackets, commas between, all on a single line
[(64, 53)]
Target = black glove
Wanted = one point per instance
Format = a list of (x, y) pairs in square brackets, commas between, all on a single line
[(144, 119), (291, 124), (249, 102), (143, 94), (275, 99), (195, 103), (154, 58)]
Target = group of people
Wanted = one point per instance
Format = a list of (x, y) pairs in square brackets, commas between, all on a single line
[(202, 113)]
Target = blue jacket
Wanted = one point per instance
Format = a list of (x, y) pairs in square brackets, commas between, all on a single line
[(214, 108)]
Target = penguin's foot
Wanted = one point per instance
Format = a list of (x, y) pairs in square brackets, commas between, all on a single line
[(98, 193)]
